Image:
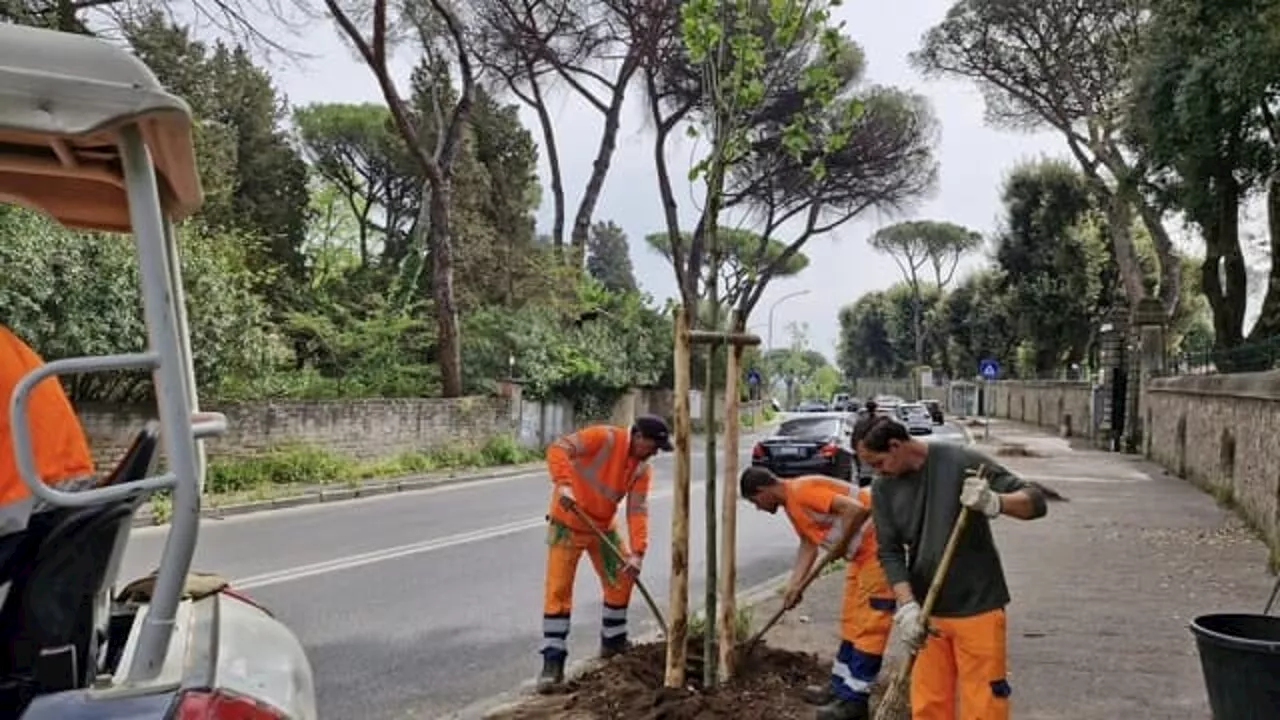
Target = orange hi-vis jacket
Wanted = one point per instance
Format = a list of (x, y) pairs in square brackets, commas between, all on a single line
[(596, 463), (58, 442), (808, 506)]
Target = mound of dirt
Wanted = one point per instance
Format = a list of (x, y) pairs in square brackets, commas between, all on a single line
[(1017, 450), (768, 687)]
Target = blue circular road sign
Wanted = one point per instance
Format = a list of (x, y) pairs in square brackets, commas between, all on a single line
[(989, 369)]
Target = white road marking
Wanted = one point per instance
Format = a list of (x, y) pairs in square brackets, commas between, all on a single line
[(392, 553), (274, 514)]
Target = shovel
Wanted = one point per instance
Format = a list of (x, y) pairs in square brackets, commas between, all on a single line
[(827, 559), (644, 592)]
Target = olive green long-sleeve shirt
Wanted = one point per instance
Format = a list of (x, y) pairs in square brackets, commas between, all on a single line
[(914, 515)]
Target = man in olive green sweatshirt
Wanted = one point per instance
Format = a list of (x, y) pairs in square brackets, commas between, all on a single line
[(917, 495)]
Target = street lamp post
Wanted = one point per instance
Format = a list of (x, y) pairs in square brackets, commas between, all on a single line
[(774, 306)]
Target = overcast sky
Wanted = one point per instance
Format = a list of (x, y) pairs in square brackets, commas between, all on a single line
[(974, 159)]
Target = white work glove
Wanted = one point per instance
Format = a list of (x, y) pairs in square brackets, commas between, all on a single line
[(566, 497), (979, 497), (633, 564), (910, 626)]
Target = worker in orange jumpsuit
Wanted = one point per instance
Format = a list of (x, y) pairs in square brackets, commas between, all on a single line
[(828, 513), (592, 470), (58, 442)]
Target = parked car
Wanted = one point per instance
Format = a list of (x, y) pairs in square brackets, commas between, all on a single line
[(916, 417), (811, 406), (844, 402), (810, 444), (935, 411)]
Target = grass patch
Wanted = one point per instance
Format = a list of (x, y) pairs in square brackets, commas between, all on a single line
[(290, 468), (741, 625)]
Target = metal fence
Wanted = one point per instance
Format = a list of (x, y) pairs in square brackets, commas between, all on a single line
[(1254, 356)]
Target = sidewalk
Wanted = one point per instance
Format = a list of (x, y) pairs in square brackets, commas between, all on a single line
[(1103, 588)]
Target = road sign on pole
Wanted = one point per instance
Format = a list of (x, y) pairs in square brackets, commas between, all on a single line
[(753, 377), (989, 369)]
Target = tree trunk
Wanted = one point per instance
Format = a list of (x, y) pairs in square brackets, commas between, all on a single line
[(553, 163), (448, 347), (599, 170), (1268, 323), (917, 326), (678, 604), (728, 609), (709, 414), (1120, 228), (1222, 257)]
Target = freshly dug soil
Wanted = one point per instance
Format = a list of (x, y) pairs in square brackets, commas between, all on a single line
[(768, 687)]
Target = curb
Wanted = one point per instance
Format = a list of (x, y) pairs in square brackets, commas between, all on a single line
[(406, 483), (748, 598)]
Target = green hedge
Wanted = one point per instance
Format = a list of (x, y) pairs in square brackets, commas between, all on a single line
[(309, 465)]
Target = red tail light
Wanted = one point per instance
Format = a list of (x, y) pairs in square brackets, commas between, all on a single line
[(757, 451), (829, 450), (222, 705)]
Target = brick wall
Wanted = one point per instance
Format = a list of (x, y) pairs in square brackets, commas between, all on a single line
[(360, 428)]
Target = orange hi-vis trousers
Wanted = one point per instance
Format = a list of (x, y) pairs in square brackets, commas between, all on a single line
[(866, 617), (564, 551), (968, 655)]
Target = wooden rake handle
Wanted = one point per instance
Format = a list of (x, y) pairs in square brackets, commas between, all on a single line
[(613, 547)]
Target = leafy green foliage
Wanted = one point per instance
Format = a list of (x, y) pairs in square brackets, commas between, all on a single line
[(76, 294), (1035, 308)]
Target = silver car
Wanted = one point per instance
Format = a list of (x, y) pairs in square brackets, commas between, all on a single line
[(916, 417)]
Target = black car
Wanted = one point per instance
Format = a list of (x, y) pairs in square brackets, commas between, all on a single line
[(814, 444), (935, 411)]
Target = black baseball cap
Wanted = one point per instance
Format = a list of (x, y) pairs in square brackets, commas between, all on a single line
[(654, 428)]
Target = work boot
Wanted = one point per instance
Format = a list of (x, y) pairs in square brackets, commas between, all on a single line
[(841, 709), (613, 649), (552, 676), (818, 694)]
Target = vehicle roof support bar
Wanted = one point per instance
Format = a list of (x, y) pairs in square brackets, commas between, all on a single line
[(173, 400)]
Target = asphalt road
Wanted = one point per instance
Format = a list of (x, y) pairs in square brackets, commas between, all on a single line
[(417, 604)]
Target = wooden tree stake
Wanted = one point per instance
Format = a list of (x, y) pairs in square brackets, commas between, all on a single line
[(728, 610), (678, 605), (678, 611)]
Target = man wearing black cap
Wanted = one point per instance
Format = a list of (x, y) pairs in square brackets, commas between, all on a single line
[(592, 470)]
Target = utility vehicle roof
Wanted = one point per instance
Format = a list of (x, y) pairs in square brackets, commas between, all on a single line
[(62, 99)]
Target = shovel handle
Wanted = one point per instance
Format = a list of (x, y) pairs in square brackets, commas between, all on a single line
[(808, 580), (613, 547)]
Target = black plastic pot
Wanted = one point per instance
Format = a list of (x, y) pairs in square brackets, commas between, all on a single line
[(1240, 659)]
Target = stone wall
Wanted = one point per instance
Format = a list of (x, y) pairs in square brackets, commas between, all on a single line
[(372, 428), (359, 428), (1221, 432), (1063, 406), (866, 388)]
